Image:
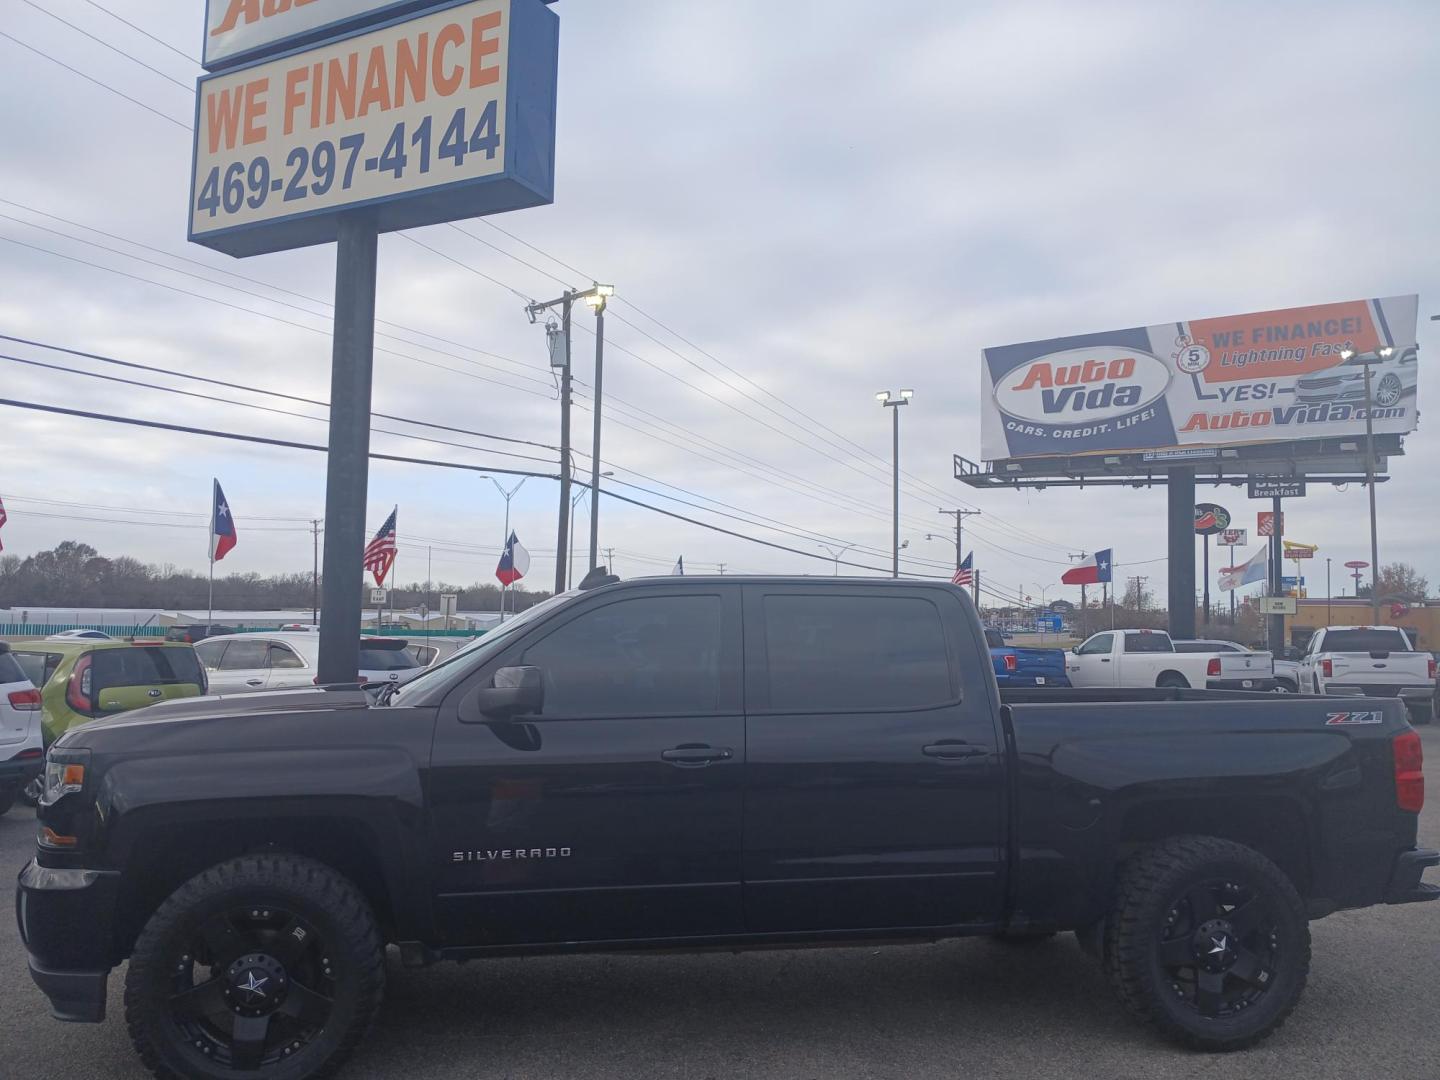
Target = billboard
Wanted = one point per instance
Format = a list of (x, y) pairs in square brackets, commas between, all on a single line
[(1271, 376), (236, 30), (446, 114)]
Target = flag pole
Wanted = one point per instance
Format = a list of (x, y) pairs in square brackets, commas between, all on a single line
[(210, 612)]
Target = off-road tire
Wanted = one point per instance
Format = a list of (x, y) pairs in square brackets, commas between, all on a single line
[(1148, 886), (331, 903)]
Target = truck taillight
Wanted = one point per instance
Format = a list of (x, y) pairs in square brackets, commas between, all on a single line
[(1409, 772), (25, 700), (1430, 668), (1011, 661), (1212, 669), (1327, 669)]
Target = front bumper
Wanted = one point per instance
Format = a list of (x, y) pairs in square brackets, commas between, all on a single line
[(1405, 885), (66, 922)]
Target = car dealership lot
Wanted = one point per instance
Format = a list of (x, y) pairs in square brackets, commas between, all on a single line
[(960, 1008)]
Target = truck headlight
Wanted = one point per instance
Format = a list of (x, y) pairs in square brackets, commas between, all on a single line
[(64, 773)]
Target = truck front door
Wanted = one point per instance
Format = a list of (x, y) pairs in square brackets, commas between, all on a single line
[(1093, 664), (874, 779), (615, 812)]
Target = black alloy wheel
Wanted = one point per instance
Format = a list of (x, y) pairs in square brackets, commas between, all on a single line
[(252, 986), (269, 965), (1208, 940), (1220, 947)]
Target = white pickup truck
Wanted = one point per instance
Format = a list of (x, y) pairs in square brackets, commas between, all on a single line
[(1149, 658), (1376, 661)]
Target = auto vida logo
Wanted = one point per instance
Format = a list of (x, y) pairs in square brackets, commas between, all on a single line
[(1076, 386)]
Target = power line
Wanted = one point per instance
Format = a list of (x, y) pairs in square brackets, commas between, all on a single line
[(97, 82), (146, 33), (113, 48)]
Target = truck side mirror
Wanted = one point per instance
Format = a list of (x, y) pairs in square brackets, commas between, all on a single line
[(515, 691)]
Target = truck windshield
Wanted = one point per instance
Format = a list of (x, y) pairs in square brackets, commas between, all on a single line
[(1365, 640), (477, 652)]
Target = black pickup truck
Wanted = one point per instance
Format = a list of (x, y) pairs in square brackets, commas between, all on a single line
[(691, 763)]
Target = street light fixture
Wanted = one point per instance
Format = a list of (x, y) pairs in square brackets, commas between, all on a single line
[(835, 553), (1366, 359), (505, 541), (891, 401)]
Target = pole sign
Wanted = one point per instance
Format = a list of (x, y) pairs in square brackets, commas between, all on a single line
[(1049, 623), (1356, 565), (1277, 605), (1235, 537), (1272, 376), (237, 30), (1275, 487), (444, 114), (1268, 523), (1211, 519)]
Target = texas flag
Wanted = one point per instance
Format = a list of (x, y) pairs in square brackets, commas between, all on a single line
[(1253, 569), (514, 562), (1092, 571), (222, 526)]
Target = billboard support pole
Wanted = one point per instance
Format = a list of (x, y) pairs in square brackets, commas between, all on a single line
[(1275, 634), (1206, 615), (347, 472), (1181, 497), (1232, 591), (1370, 483)]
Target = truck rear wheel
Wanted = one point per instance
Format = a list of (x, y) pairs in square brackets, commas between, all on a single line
[(268, 965), (1209, 941)]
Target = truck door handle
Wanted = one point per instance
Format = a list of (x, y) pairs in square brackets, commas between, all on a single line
[(1104, 659), (254, 682), (953, 750), (693, 756)]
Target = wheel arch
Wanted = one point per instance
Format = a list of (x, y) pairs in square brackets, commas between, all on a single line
[(173, 853), (1170, 677)]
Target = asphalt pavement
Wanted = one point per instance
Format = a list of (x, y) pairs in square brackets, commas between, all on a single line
[(964, 1008)]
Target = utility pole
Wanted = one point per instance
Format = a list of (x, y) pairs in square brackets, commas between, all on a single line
[(566, 301), (959, 516), (892, 401), (315, 574), (609, 560), (1139, 592), (722, 569)]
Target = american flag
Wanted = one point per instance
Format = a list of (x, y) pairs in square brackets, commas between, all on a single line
[(380, 552), (3, 519), (965, 575)]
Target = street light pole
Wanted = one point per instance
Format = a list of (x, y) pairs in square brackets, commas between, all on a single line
[(835, 553), (893, 401), (596, 300), (1367, 359), (505, 540), (1328, 594)]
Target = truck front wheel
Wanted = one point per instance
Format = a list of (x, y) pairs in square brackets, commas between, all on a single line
[(1209, 941), (267, 964)]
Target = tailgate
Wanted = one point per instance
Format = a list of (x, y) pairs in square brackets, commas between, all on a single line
[(1246, 665), (1407, 668), (1046, 662)]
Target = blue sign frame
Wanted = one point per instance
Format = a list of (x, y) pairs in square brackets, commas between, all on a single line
[(528, 178)]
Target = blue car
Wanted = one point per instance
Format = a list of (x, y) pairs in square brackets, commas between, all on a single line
[(1015, 666)]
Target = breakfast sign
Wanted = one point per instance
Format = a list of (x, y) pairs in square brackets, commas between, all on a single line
[(1270, 376)]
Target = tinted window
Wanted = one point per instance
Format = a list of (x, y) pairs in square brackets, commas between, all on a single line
[(282, 656), (142, 665), (1100, 643), (1147, 643), (1364, 641), (650, 655), (994, 639), (379, 658), (245, 655), (12, 671), (844, 653)]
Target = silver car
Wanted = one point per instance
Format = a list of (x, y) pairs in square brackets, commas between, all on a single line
[(1392, 378), (280, 660)]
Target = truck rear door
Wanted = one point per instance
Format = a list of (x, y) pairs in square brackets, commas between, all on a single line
[(874, 776)]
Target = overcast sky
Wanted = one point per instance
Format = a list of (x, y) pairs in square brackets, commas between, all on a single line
[(825, 200)]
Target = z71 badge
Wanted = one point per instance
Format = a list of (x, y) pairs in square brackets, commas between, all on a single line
[(1336, 719)]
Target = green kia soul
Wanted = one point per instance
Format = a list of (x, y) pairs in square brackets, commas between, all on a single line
[(80, 680)]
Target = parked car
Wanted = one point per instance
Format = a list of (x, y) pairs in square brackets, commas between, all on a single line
[(22, 752), (80, 680), (1016, 666), (431, 651), (1150, 658), (1375, 661), (1391, 379), (701, 762), (83, 635), (243, 663), (1287, 672), (196, 632)]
